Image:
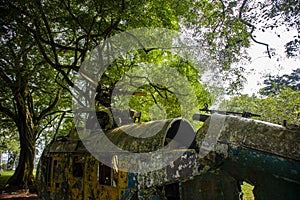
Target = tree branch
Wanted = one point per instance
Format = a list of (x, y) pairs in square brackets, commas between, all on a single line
[(40, 131), (48, 60), (8, 112), (220, 24), (50, 107), (59, 123), (59, 111), (39, 5), (4, 76), (252, 27)]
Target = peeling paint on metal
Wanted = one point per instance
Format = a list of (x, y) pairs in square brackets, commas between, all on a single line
[(246, 150)]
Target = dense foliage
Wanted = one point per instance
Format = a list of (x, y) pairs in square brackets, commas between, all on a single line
[(276, 84), (280, 100), (43, 44)]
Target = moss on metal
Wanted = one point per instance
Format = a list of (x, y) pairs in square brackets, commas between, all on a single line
[(259, 135), (229, 150)]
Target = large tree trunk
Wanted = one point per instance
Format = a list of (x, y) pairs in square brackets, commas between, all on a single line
[(1, 161), (23, 177)]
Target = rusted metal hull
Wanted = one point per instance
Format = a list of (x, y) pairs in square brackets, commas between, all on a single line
[(262, 154)]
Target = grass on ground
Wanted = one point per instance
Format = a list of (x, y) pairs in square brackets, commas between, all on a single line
[(5, 175)]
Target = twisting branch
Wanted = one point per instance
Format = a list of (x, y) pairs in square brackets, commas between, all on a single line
[(8, 112), (252, 27), (51, 106), (220, 24), (59, 123), (47, 25), (61, 85), (42, 129), (6, 78), (59, 111), (139, 42)]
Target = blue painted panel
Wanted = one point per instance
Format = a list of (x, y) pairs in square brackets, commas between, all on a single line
[(131, 180), (261, 161)]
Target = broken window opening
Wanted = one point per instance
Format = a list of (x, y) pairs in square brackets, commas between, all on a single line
[(104, 174), (57, 173), (172, 191), (48, 169), (182, 128), (53, 170), (107, 175), (78, 166)]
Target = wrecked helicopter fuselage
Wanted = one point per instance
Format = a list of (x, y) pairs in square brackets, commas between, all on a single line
[(226, 151)]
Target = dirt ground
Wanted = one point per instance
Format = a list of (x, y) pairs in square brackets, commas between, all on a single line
[(14, 194), (19, 196)]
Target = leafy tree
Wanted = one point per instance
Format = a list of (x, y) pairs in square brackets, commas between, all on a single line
[(39, 36), (275, 109), (30, 95), (277, 14), (276, 84), (284, 107), (226, 28), (161, 94), (9, 140), (89, 22), (280, 100)]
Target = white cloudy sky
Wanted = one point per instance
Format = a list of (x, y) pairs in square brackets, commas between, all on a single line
[(262, 65)]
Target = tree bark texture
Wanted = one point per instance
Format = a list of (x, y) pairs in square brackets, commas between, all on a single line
[(23, 177)]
